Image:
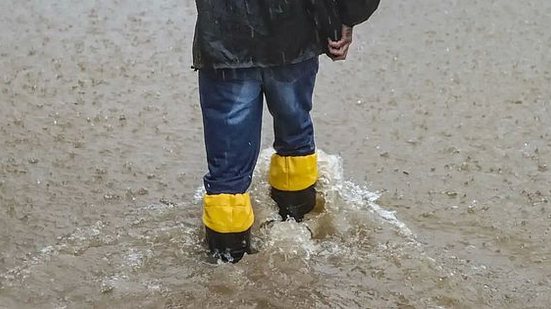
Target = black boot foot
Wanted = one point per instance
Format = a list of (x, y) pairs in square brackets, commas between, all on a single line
[(294, 204), (228, 247)]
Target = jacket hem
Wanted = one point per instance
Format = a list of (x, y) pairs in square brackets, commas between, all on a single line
[(305, 57)]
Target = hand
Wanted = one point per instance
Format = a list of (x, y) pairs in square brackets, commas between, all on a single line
[(339, 49)]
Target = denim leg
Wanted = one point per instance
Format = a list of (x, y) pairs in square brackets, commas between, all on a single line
[(231, 102), (288, 91)]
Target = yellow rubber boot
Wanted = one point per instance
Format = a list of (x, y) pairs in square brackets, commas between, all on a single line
[(228, 219), (293, 180)]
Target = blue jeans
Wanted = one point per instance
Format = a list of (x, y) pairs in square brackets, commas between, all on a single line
[(232, 102)]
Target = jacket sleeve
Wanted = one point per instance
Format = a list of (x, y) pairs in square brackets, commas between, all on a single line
[(354, 12)]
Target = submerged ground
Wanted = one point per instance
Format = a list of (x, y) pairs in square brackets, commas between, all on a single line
[(443, 109)]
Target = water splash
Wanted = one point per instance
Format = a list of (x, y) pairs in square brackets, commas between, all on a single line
[(147, 225), (339, 194)]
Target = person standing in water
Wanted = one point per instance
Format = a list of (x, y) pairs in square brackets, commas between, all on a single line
[(245, 50)]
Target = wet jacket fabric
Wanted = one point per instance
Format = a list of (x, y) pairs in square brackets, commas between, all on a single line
[(354, 12), (263, 33)]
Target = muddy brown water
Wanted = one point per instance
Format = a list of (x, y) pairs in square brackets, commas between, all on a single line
[(435, 166)]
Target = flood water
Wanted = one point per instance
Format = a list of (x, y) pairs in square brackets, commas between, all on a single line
[(434, 143)]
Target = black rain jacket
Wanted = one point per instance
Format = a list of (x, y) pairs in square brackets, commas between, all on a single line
[(264, 33)]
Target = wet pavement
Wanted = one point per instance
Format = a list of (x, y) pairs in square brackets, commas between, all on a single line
[(435, 164)]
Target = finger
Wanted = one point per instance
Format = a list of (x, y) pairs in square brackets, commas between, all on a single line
[(337, 44), (339, 51), (341, 54), (336, 52), (333, 49), (345, 49)]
